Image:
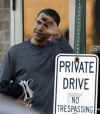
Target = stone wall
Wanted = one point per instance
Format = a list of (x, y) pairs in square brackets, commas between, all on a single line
[(4, 28)]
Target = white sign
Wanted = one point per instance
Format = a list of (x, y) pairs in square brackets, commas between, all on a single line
[(76, 83)]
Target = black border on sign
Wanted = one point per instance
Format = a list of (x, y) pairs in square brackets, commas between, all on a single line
[(96, 79)]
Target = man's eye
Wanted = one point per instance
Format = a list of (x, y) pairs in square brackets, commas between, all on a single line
[(39, 22)]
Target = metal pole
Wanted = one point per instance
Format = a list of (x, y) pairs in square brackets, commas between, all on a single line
[(80, 27)]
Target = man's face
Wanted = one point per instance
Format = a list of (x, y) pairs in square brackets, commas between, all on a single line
[(44, 28)]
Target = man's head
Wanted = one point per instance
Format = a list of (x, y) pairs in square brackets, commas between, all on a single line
[(52, 13), (46, 25)]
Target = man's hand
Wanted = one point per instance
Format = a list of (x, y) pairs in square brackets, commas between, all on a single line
[(54, 31)]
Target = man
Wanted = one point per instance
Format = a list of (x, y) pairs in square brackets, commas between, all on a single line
[(32, 63)]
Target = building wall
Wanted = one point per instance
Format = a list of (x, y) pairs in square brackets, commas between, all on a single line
[(90, 25), (4, 27)]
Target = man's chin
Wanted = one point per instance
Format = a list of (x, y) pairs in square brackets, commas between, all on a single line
[(39, 39)]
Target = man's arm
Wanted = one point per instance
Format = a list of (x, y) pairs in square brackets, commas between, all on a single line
[(7, 67), (8, 86)]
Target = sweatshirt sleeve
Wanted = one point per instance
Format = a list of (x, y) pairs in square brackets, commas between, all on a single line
[(7, 72), (8, 85)]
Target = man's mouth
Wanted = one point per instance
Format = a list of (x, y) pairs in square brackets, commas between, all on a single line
[(38, 34)]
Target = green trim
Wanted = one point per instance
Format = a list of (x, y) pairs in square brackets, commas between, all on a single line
[(80, 27)]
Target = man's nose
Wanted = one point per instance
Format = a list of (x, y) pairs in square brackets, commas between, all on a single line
[(40, 28)]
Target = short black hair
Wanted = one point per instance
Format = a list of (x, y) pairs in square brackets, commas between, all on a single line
[(52, 13)]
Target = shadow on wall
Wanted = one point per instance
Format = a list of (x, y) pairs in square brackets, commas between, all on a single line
[(97, 22)]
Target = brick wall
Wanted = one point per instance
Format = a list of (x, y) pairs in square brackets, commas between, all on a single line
[(4, 27)]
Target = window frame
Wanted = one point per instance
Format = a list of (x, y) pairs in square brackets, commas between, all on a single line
[(16, 28)]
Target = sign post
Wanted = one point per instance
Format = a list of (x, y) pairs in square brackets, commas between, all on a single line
[(76, 83), (77, 27)]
